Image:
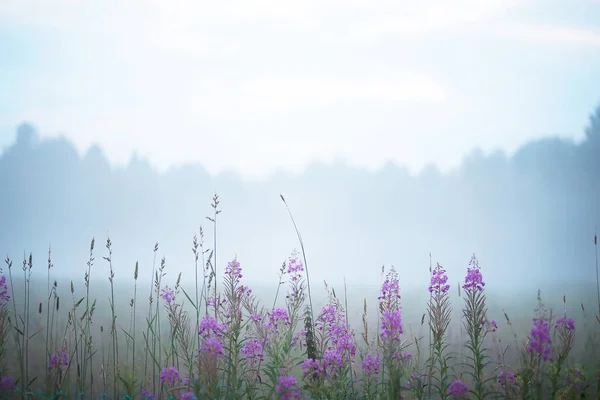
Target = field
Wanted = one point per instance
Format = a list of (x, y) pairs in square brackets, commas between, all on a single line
[(209, 336)]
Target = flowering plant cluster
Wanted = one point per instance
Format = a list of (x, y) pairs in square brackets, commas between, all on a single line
[(224, 344)]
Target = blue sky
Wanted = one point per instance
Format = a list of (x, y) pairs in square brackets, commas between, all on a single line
[(255, 86)]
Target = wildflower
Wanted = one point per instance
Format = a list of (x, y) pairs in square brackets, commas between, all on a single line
[(277, 317), (170, 376), (332, 361), (474, 279), (233, 269), (439, 281), (457, 389), (414, 383), (209, 327), (539, 340), (493, 325), (297, 339), (212, 346), (327, 317), (168, 295), (391, 325), (575, 379), (341, 339), (390, 290), (59, 360), (309, 365), (253, 350), (188, 396), (255, 317), (147, 395), (402, 357), (4, 297), (370, 364), (7, 383), (295, 269), (244, 291), (506, 378), (566, 323), (287, 387), (211, 302)]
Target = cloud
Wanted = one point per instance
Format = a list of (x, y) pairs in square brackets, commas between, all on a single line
[(418, 18), (272, 94), (187, 21), (542, 34)]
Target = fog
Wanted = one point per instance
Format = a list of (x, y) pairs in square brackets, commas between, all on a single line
[(529, 216)]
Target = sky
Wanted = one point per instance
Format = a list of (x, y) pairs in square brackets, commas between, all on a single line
[(260, 86)]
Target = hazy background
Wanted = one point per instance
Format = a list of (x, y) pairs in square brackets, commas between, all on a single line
[(530, 217)]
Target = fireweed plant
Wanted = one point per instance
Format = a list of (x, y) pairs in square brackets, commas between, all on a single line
[(477, 327), (440, 314), (396, 361), (544, 355), (225, 344), (328, 377)]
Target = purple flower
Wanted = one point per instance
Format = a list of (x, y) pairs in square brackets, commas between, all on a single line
[(213, 346), (403, 356), (458, 389), (493, 325), (147, 395), (168, 295), (439, 281), (575, 379), (391, 325), (252, 350), (278, 317), (309, 365), (295, 269), (211, 302), (332, 361), (341, 339), (170, 376), (566, 323), (390, 290), (414, 383), (370, 364), (506, 378), (188, 396), (287, 387), (4, 297), (59, 360), (244, 291), (327, 317), (233, 269), (211, 332), (209, 327), (7, 383), (295, 266), (539, 340), (255, 317), (297, 339), (474, 279)]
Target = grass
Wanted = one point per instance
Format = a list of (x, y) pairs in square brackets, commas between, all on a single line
[(210, 341)]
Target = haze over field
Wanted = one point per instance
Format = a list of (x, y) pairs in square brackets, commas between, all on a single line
[(530, 217)]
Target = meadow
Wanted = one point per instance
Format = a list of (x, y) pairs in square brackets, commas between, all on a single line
[(209, 336)]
